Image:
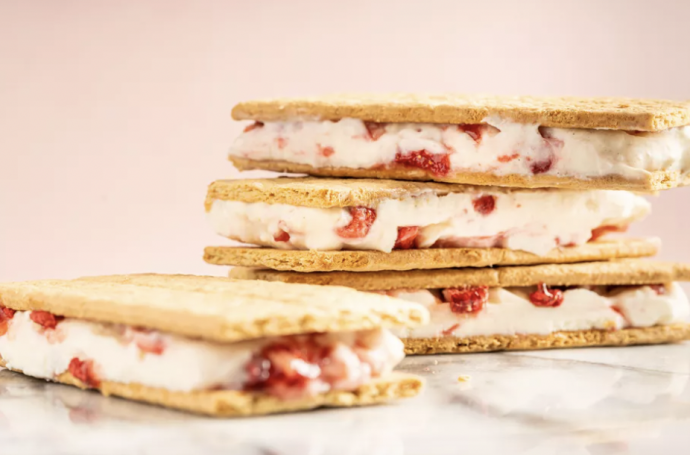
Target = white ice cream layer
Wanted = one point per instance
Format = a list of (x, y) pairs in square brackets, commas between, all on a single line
[(529, 220), (511, 148), (183, 365), (509, 312)]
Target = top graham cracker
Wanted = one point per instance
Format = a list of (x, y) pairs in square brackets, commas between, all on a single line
[(561, 112), (212, 308)]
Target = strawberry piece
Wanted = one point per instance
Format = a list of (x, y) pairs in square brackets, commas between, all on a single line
[(484, 205), (466, 299), (362, 219), (281, 142), (375, 130), (436, 163), (406, 237), (552, 145), (286, 368), (473, 131), (5, 315), (508, 158), (541, 167), (449, 331), (84, 371), (45, 319), (325, 151), (282, 236), (660, 289), (559, 242), (545, 296), (253, 126), (149, 341), (603, 230)]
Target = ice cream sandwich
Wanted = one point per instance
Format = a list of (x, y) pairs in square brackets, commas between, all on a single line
[(519, 141), (483, 225), (609, 303), (209, 345)]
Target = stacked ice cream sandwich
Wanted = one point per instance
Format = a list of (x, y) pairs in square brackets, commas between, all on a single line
[(512, 250)]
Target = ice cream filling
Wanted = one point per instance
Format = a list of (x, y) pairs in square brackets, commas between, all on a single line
[(478, 310), (498, 147), (43, 345), (529, 220)]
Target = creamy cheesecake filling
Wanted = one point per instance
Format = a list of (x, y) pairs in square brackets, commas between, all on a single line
[(477, 311), (45, 346), (529, 220), (498, 147)]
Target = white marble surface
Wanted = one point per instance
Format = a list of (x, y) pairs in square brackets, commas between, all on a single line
[(600, 401)]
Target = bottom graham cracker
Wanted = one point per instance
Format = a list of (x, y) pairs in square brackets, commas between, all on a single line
[(233, 403), (659, 334)]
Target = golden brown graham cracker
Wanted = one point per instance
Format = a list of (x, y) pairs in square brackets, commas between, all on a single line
[(430, 258), (562, 112), (567, 339), (653, 181), (615, 272), (212, 308), (232, 403), (327, 193)]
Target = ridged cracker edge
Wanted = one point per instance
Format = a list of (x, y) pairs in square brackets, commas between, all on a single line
[(567, 339), (563, 112), (432, 258), (327, 193), (614, 272)]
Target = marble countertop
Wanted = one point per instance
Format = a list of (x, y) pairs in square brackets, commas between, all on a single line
[(597, 401)]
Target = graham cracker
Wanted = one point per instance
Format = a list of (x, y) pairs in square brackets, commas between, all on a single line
[(211, 308), (232, 403), (566, 339), (327, 193), (614, 272), (651, 182), (429, 258), (563, 112)]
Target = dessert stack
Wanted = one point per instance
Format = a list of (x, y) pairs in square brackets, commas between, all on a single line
[(495, 213)]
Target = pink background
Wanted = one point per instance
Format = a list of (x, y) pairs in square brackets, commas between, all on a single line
[(114, 115)]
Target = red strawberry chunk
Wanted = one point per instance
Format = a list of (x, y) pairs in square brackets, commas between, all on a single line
[(449, 331), (545, 296), (5, 315), (603, 230), (660, 289), (473, 131), (466, 299), (325, 151), (375, 130), (286, 368), (149, 341), (359, 226), (436, 163), (406, 237), (45, 319), (253, 126), (484, 205), (508, 158), (551, 147), (281, 236), (84, 371)]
